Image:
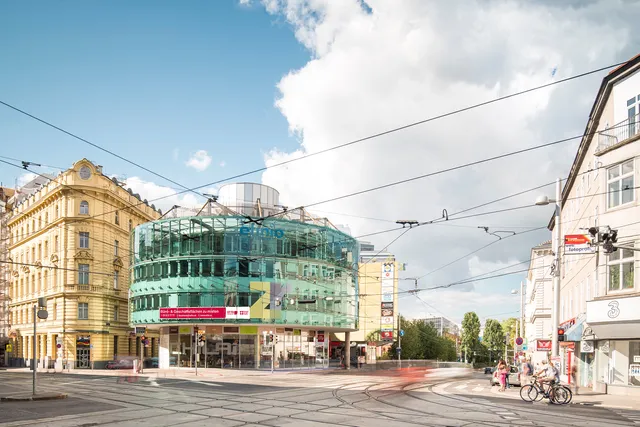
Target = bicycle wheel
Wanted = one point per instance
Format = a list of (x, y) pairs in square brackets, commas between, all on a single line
[(568, 395), (560, 395), (541, 393), (528, 393)]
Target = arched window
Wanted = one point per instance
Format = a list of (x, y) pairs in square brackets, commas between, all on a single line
[(84, 207)]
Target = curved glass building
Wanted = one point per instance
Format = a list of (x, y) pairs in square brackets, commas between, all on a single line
[(220, 282)]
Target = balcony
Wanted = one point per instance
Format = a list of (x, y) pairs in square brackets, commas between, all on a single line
[(619, 134), (539, 313)]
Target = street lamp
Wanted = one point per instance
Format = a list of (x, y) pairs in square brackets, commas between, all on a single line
[(555, 316)]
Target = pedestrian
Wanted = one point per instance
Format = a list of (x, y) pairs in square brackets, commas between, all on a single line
[(503, 373)]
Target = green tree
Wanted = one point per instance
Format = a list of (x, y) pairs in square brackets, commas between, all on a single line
[(493, 338), (470, 334)]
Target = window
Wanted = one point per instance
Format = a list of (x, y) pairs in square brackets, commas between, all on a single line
[(84, 207), (55, 243), (83, 274), (57, 212), (83, 311), (632, 113), (46, 218), (46, 248), (117, 218), (115, 247), (620, 184), (130, 225), (621, 270), (84, 239), (116, 279), (115, 313)]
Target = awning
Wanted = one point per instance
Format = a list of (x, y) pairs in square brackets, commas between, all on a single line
[(622, 330), (574, 333)]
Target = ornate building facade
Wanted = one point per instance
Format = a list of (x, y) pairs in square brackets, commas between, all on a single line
[(69, 248)]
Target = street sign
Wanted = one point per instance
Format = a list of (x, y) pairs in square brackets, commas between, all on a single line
[(524, 348), (399, 350), (577, 244), (140, 330), (58, 345), (401, 332), (519, 341)]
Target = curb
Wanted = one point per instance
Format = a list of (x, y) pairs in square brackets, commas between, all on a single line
[(31, 397)]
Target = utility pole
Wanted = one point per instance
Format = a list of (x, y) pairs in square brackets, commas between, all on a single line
[(34, 348), (555, 351), (399, 343)]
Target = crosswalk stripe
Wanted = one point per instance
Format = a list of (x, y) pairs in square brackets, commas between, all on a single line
[(478, 389)]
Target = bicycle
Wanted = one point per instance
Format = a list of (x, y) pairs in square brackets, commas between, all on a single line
[(556, 393)]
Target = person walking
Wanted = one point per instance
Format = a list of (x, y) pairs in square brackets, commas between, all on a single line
[(574, 376), (502, 375)]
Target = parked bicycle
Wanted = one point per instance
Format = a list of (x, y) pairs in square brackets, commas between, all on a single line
[(555, 392)]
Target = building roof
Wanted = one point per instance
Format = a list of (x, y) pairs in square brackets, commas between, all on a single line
[(622, 71)]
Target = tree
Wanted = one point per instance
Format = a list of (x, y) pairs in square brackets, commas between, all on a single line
[(509, 328), (470, 333), (493, 337)]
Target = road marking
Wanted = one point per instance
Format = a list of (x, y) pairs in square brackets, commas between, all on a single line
[(460, 387), (478, 389)]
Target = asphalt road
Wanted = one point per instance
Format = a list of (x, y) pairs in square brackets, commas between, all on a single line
[(295, 399)]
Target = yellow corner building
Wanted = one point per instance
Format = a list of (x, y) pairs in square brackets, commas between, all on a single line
[(69, 244)]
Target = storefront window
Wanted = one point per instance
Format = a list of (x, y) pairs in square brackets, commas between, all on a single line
[(602, 362)]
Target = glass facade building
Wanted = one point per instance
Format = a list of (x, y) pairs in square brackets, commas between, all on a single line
[(223, 282)]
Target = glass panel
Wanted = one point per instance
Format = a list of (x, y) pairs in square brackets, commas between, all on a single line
[(614, 194), (634, 354), (614, 277), (627, 253), (613, 172), (627, 189), (627, 167), (627, 275)]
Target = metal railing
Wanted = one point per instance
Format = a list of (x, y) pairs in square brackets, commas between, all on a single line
[(618, 133)]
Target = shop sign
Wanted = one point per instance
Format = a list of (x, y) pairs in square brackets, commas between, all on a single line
[(577, 244), (262, 231), (185, 329), (386, 335), (193, 313), (386, 305), (587, 347), (387, 297), (634, 370), (387, 312), (636, 359), (386, 320), (386, 327), (237, 313), (543, 345), (613, 310), (569, 323), (320, 337)]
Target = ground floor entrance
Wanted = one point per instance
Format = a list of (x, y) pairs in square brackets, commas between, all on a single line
[(247, 347)]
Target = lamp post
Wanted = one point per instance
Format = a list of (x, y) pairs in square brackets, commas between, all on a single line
[(555, 316)]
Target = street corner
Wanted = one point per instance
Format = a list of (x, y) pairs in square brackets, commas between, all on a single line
[(26, 397)]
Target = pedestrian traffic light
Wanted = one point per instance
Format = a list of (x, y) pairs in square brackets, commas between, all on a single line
[(561, 334)]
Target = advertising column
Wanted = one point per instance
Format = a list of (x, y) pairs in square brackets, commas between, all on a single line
[(386, 306)]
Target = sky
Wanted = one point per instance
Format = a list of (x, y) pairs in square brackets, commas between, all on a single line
[(201, 91)]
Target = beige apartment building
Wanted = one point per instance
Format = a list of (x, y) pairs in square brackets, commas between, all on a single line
[(69, 244), (378, 303), (600, 292)]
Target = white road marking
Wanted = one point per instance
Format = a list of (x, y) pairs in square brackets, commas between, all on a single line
[(478, 389), (460, 387)]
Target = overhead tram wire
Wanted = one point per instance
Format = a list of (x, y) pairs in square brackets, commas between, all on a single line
[(478, 250), (376, 135), (79, 138), (390, 184)]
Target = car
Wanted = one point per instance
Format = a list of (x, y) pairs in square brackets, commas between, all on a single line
[(514, 377), (489, 370), (120, 364)]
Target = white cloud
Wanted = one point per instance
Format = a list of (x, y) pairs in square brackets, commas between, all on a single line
[(167, 195), (245, 3), (223, 164), (402, 62), (200, 160), (25, 178)]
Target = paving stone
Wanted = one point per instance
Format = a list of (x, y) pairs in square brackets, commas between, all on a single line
[(217, 412)]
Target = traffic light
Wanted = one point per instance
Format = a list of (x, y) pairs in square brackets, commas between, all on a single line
[(201, 339), (561, 334)]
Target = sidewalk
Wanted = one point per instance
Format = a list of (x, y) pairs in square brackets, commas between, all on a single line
[(584, 397)]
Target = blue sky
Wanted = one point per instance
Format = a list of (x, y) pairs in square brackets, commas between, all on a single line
[(143, 79)]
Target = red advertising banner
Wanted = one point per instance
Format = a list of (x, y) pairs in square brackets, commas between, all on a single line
[(543, 345), (386, 335), (193, 313)]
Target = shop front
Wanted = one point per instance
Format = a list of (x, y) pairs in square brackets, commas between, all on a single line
[(241, 347), (615, 328)]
